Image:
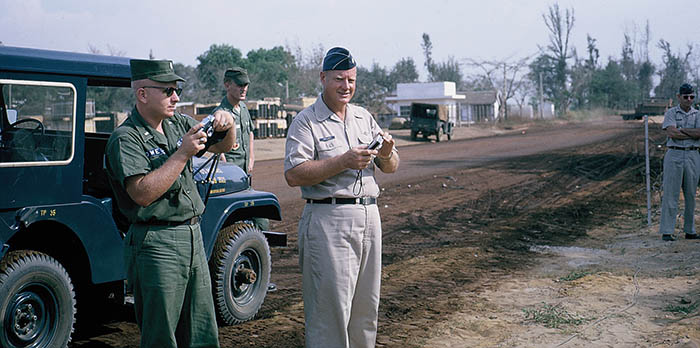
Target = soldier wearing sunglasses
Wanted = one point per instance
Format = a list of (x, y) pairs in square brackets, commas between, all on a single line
[(681, 164), (149, 164)]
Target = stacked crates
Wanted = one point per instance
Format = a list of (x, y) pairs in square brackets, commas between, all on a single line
[(268, 118)]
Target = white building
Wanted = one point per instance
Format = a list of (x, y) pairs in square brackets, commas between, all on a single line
[(442, 93)]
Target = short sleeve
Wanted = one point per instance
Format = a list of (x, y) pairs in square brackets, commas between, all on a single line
[(669, 118), (299, 146), (126, 157)]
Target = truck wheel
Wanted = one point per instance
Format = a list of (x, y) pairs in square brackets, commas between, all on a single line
[(414, 135), (37, 301), (240, 269), (438, 135)]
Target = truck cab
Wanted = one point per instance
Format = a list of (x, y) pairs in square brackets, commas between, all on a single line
[(61, 236)]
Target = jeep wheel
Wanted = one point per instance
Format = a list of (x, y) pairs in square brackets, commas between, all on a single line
[(438, 135), (37, 301), (414, 135), (240, 271)]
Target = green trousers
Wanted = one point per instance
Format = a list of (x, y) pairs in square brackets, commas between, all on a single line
[(168, 274)]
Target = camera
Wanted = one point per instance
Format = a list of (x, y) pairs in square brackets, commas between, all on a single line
[(376, 142), (208, 125)]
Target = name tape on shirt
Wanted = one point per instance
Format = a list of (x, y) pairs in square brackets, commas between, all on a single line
[(155, 152)]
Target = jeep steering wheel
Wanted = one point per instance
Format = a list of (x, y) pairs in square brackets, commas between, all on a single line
[(23, 141), (27, 120)]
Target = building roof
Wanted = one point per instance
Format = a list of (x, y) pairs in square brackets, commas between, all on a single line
[(480, 97)]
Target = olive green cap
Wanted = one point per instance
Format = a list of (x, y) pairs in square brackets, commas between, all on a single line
[(238, 75), (156, 70)]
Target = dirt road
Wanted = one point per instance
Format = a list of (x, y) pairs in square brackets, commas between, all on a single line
[(523, 240)]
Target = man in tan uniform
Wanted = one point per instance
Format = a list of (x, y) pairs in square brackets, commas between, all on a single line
[(340, 235)]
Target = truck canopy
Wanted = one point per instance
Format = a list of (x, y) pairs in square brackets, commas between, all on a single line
[(432, 111)]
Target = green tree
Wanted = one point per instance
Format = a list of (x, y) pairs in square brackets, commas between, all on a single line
[(212, 65), (441, 71), (372, 87), (269, 71), (404, 71), (674, 71)]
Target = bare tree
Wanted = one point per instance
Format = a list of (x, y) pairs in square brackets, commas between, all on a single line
[(505, 76), (560, 26)]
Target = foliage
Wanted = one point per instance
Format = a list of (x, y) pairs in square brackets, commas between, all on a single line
[(682, 309), (442, 71), (269, 71), (574, 275), (553, 316), (212, 65), (674, 72)]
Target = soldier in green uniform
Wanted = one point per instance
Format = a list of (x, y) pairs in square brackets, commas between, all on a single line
[(149, 164), (236, 82)]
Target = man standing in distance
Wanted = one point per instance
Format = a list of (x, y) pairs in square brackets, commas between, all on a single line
[(149, 164), (681, 164), (236, 82), (340, 234)]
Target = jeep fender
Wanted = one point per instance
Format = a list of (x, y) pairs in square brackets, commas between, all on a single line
[(91, 221), (227, 209)]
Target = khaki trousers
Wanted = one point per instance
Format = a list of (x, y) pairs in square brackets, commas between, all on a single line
[(680, 171), (167, 270), (340, 253)]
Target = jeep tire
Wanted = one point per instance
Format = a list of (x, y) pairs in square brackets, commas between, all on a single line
[(240, 268), (37, 301)]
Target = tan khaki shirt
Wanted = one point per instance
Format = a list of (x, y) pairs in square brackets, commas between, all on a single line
[(680, 119), (317, 133)]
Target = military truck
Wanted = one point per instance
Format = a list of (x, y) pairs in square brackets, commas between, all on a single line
[(61, 236), (649, 107), (430, 119)]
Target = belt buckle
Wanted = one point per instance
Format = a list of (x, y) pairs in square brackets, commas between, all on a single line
[(363, 200)]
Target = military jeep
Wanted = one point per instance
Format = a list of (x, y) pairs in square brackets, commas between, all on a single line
[(61, 237), (430, 119)]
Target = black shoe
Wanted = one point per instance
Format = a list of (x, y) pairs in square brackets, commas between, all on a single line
[(668, 237), (692, 236)]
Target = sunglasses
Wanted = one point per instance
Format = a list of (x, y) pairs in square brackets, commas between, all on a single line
[(688, 97), (167, 90)]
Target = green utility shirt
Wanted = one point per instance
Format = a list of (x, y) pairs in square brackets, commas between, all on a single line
[(240, 155), (135, 148)]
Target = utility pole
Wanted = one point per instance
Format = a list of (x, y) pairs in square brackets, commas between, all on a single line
[(541, 99)]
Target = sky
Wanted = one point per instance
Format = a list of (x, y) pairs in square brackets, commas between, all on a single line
[(375, 31)]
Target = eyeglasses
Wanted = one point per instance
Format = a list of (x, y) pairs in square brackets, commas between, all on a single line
[(688, 96), (167, 90)]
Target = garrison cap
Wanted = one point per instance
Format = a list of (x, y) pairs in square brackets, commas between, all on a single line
[(238, 75), (156, 70), (338, 58), (686, 88)]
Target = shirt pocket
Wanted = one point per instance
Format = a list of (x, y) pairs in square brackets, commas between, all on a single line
[(330, 148), (364, 139)]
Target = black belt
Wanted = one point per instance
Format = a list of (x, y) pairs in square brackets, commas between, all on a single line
[(690, 148), (192, 221), (333, 200)]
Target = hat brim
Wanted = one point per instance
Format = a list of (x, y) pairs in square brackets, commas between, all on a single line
[(169, 77), (241, 80)]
